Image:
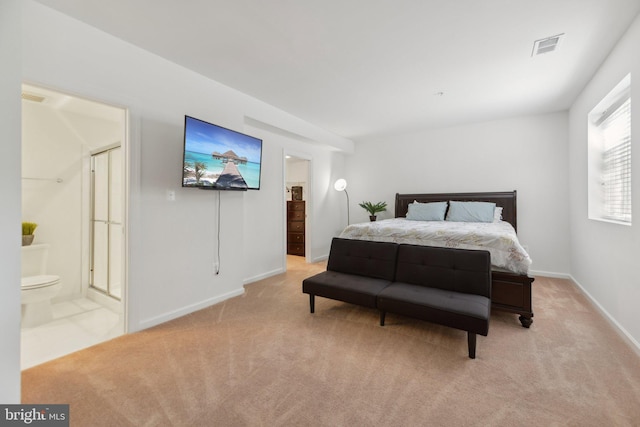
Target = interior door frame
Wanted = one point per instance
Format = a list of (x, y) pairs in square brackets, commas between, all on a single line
[(308, 205), (131, 159)]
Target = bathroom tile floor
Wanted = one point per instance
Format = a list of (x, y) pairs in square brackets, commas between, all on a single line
[(76, 324)]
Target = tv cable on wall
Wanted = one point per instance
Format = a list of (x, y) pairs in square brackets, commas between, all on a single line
[(217, 263)]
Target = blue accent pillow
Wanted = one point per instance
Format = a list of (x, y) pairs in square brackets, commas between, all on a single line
[(471, 211), (427, 211)]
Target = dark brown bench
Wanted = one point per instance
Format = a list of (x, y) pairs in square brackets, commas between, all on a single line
[(451, 287), (357, 270)]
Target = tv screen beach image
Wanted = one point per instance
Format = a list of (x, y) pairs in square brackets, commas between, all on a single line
[(216, 157)]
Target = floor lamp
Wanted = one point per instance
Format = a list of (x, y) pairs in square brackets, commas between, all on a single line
[(341, 185)]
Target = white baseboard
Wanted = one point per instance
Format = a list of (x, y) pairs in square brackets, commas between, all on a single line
[(617, 326), (549, 274), (148, 323), (263, 275), (320, 258)]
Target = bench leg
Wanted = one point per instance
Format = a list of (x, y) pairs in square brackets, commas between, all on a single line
[(471, 340), (312, 303), (382, 315)]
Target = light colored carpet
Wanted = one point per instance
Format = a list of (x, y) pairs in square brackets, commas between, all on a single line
[(262, 359)]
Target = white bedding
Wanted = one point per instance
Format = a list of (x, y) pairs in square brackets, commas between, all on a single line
[(499, 238)]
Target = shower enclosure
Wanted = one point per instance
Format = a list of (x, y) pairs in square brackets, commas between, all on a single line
[(106, 221)]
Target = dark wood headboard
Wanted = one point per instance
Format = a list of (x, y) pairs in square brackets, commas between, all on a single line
[(505, 199)]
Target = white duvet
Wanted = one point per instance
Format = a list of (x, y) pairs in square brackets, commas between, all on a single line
[(499, 238)]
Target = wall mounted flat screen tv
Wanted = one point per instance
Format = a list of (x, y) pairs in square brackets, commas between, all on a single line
[(217, 158)]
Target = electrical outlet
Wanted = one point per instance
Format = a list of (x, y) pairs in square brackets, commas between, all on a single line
[(171, 196)]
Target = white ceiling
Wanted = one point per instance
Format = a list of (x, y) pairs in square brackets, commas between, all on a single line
[(366, 67)]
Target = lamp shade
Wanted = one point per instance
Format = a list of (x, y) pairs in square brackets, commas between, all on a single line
[(340, 185)]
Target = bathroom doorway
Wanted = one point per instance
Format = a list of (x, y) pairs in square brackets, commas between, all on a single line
[(62, 134)]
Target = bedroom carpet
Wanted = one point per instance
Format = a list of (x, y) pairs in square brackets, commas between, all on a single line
[(261, 359)]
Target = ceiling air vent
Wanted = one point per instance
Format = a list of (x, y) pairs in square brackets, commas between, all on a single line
[(548, 44), (32, 97)]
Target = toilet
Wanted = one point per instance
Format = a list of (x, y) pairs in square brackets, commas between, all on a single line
[(37, 287)]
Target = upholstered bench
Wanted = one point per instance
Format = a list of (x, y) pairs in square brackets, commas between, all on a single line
[(357, 271), (451, 287)]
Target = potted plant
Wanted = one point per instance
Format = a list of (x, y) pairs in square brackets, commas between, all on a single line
[(373, 208), (27, 232)]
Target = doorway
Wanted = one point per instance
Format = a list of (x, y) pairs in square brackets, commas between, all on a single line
[(61, 134), (298, 209)]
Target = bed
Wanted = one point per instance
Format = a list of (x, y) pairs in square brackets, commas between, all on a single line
[(511, 283)]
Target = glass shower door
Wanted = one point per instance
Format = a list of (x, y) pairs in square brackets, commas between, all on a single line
[(106, 247)]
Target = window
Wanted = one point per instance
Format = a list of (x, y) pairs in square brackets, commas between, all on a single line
[(609, 132)]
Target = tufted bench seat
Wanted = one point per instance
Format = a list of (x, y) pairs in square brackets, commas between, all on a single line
[(448, 286), (357, 271), (451, 287)]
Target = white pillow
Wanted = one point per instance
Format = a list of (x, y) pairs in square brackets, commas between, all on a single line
[(497, 214), (427, 211)]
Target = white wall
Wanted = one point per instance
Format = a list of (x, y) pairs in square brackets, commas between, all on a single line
[(172, 245), (604, 256), (51, 150), (10, 240), (297, 173), (265, 215), (528, 154)]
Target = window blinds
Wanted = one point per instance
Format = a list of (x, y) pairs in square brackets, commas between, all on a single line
[(616, 163)]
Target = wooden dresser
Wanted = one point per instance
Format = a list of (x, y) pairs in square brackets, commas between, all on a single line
[(295, 227)]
